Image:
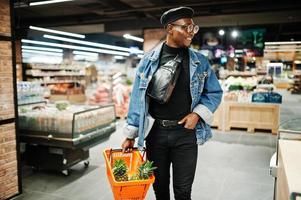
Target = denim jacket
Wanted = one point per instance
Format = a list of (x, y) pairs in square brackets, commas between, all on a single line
[(205, 90)]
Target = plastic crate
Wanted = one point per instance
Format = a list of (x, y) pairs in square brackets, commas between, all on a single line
[(275, 97), (127, 190), (266, 97), (260, 97)]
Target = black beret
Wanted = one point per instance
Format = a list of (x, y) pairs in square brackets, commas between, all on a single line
[(175, 14)]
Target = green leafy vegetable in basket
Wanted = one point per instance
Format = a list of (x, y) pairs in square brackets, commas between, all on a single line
[(120, 170)]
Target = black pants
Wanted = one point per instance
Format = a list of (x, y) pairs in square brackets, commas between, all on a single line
[(176, 146)]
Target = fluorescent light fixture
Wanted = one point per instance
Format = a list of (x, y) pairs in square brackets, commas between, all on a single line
[(89, 43), (34, 58), (279, 43), (221, 32), (84, 57), (47, 2), (234, 34), (42, 48), (119, 57), (42, 52), (76, 47), (85, 53), (56, 32), (130, 37)]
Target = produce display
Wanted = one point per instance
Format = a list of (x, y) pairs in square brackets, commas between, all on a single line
[(121, 99), (102, 95), (66, 88), (63, 119), (29, 92), (119, 95), (238, 96), (239, 83)]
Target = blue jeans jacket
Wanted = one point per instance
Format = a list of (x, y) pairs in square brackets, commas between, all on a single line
[(205, 90)]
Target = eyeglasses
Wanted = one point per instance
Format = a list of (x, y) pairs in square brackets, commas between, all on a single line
[(189, 28)]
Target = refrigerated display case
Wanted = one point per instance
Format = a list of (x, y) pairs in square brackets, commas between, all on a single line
[(57, 136)]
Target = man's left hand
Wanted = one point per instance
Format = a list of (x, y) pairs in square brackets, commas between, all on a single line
[(190, 120)]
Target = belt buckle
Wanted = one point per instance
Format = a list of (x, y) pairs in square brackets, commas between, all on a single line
[(164, 123)]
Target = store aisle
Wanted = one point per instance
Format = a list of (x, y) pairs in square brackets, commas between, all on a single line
[(232, 166)]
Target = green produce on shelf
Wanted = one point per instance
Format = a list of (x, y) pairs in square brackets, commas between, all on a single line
[(61, 106)]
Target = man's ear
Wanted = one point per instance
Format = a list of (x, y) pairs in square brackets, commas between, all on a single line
[(169, 29)]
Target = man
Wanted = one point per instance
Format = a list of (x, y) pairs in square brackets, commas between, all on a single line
[(173, 130)]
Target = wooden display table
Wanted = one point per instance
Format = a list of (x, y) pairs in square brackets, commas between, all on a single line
[(218, 118), (251, 116), (288, 172)]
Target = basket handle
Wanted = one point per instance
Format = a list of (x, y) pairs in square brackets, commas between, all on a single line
[(120, 150)]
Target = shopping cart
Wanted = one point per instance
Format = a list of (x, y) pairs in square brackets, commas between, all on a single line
[(132, 189)]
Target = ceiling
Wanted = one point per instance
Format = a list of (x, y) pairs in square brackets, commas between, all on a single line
[(282, 18)]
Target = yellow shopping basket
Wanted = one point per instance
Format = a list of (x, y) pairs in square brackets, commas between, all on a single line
[(127, 190)]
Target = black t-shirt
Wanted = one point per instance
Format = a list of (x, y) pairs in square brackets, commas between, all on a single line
[(179, 103)]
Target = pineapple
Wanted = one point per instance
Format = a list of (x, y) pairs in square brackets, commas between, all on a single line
[(146, 170), (120, 170)]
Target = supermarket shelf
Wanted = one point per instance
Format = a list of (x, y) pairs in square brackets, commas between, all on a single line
[(52, 75), (56, 68), (57, 82)]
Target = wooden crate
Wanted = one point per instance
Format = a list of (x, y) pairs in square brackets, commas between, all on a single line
[(218, 118), (251, 116)]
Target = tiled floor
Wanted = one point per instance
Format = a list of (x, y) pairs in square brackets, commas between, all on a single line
[(232, 166)]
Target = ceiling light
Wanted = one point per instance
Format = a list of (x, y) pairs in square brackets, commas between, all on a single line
[(42, 48), (221, 32), (89, 43), (57, 32), (119, 57), (279, 43), (85, 57), (128, 36), (234, 34), (85, 53), (34, 58), (47, 2), (42, 52), (76, 47)]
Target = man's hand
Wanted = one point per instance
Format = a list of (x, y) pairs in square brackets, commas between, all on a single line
[(190, 120), (127, 145)]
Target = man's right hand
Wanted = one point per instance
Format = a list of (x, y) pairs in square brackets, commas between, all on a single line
[(127, 145)]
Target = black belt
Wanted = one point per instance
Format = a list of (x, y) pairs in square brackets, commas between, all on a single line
[(168, 123)]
